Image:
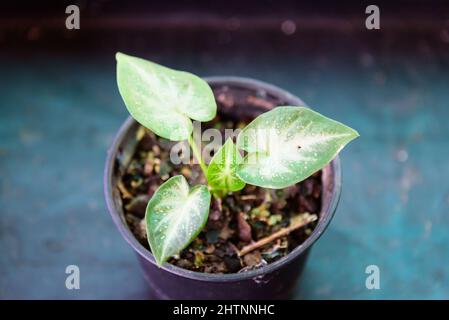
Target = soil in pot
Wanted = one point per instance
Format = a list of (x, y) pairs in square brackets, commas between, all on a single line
[(238, 223)]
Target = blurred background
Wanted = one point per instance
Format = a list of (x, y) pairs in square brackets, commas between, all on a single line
[(60, 109)]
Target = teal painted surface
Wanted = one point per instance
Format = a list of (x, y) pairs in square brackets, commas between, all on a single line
[(60, 111)]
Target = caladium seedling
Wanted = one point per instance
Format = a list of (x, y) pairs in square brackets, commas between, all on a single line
[(162, 99), (282, 147)]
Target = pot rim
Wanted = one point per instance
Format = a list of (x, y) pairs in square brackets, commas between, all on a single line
[(323, 222)]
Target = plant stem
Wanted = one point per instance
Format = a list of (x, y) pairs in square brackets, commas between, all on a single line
[(197, 154), (219, 194), (283, 232)]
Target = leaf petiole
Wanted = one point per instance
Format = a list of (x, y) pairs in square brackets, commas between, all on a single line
[(197, 154)]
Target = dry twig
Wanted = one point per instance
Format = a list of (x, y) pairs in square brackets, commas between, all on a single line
[(304, 220)]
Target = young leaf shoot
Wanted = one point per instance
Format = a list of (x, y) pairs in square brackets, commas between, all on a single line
[(175, 215), (222, 170)]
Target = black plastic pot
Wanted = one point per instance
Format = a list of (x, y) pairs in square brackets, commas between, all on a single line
[(273, 281)]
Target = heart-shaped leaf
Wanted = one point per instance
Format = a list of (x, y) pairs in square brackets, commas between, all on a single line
[(175, 215), (221, 173), (288, 144), (162, 99)]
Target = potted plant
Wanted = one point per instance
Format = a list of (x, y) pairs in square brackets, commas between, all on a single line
[(239, 223)]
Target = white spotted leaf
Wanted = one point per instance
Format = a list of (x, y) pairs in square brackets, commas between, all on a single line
[(221, 172), (288, 144), (175, 215)]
